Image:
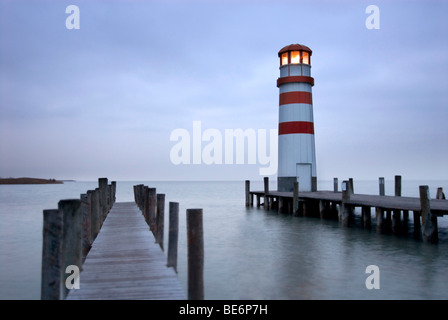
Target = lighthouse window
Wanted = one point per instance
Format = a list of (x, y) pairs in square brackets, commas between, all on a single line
[(305, 57), (284, 58), (295, 57)]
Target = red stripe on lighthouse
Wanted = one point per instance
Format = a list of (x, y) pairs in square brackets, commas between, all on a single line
[(292, 127), (292, 79), (296, 97)]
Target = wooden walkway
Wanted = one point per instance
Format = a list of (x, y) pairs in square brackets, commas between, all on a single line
[(438, 206), (125, 263)]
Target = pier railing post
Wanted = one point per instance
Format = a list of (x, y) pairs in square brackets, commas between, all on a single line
[(71, 237), (429, 220), (160, 219), (346, 210), (51, 281), (381, 186), (247, 189), (86, 224), (266, 192), (173, 235), (195, 236), (152, 208), (102, 185), (295, 199), (96, 213), (335, 184), (440, 194), (396, 214)]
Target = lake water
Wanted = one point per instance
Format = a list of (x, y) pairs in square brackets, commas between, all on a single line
[(250, 253)]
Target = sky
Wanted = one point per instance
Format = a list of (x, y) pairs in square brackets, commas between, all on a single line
[(105, 100)]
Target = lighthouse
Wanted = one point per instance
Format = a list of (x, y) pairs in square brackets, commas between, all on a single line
[(296, 149)]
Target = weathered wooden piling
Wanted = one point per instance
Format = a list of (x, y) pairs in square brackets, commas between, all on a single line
[(346, 210), (71, 235), (381, 186), (266, 193), (429, 220), (95, 213), (152, 208), (366, 216), (52, 269), (440, 194), (295, 199), (195, 236), (335, 184), (396, 214), (173, 235), (86, 224), (102, 185), (160, 219), (248, 196)]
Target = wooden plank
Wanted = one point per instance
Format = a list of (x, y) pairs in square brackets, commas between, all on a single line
[(438, 206), (125, 262)]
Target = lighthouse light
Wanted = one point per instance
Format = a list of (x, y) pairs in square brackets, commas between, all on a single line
[(305, 57), (295, 57), (284, 58)]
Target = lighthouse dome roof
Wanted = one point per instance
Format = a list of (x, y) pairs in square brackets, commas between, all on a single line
[(294, 47)]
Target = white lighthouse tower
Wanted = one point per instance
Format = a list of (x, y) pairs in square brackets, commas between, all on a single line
[(296, 150)]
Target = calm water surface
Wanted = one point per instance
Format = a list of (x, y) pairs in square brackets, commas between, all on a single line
[(249, 253)]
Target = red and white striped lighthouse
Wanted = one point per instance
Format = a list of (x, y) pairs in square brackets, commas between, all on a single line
[(296, 150)]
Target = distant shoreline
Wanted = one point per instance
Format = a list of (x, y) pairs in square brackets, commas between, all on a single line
[(29, 181)]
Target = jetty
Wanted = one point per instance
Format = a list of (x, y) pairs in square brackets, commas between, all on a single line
[(95, 248), (391, 212)]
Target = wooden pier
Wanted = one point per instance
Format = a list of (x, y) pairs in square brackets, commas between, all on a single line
[(391, 212), (95, 248), (125, 262)]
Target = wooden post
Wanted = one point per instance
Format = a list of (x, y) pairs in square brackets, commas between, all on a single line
[(346, 210), (71, 236), (396, 214), (381, 185), (51, 280), (160, 219), (313, 184), (152, 210), (379, 213), (266, 193), (114, 192), (429, 220), (417, 225), (335, 184), (322, 209), (440, 194), (173, 235), (366, 217), (145, 204), (352, 187), (96, 213), (86, 224), (102, 185), (295, 199), (280, 204), (398, 186), (195, 235), (247, 193)]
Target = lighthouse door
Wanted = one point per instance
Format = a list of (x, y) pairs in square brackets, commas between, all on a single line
[(303, 174)]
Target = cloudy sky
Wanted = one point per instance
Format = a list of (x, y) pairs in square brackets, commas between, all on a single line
[(104, 99)]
